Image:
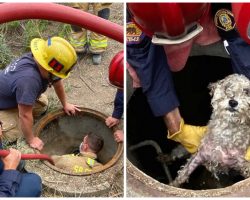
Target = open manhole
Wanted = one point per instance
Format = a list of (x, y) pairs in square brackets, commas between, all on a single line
[(152, 158), (62, 134)]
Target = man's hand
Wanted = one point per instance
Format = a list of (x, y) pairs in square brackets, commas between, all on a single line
[(111, 121), (70, 109), (36, 143), (118, 136), (12, 160)]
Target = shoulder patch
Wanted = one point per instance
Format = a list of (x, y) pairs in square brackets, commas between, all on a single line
[(133, 34), (224, 19)]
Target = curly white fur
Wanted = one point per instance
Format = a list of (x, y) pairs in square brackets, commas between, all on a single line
[(228, 136)]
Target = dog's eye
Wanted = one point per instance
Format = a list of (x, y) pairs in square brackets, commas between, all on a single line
[(246, 91), (229, 92)]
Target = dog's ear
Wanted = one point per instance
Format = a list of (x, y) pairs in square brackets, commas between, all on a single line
[(212, 87)]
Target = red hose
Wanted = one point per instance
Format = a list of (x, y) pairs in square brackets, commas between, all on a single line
[(4, 153), (56, 12)]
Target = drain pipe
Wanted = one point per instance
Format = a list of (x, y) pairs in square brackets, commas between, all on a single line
[(4, 153), (158, 151), (51, 11)]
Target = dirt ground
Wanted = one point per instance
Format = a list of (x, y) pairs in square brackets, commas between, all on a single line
[(88, 85)]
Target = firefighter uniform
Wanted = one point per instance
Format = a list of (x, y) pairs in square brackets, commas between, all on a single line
[(151, 65), (84, 162), (78, 38)]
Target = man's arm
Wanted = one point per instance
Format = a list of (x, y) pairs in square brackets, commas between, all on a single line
[(26, 123)]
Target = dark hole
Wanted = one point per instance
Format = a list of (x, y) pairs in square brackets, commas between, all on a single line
[(191, 87), (64, 135)]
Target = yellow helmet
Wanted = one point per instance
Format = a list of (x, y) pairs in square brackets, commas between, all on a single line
[(56, 55)]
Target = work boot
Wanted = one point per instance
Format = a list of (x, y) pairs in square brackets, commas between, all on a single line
[(97, 59)]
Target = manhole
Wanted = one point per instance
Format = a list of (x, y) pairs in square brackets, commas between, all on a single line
[(62, 134), (146, 173)]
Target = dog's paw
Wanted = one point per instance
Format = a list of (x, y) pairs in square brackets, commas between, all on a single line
[(175, 183)]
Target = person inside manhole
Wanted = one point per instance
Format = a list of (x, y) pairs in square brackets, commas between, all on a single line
[(116, 74), (174, 86), (24, 80), (86, 160), (13, 182)]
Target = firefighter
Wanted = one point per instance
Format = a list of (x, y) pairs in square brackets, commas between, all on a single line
[(116, 73), (159, 45), (86, 160), (14, 183), (24, 80), (96, 43)]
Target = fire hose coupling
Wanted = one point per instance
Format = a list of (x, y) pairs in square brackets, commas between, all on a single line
[(4, 153)]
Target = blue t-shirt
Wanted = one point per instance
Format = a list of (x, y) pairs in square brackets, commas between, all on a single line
[(21, 83)]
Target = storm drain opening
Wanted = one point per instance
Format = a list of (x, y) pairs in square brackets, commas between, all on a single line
[(62, 134)]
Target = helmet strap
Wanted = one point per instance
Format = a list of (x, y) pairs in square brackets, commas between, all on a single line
[(52, 79)]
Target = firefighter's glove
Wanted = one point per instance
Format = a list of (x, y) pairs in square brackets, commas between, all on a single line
[(247, 155), (189, 136)]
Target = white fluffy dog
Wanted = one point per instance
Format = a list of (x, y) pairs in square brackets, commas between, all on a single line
[(228, 136)]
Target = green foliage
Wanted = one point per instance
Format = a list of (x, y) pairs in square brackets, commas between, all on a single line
[(64, 30), (33, 29), (15, 36), (5, 53), (9, 27)]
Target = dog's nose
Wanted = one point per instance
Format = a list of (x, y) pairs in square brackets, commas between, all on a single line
[(233, 103)]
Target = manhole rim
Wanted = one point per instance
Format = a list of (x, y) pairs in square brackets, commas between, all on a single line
[(41, 123), (152, 183)]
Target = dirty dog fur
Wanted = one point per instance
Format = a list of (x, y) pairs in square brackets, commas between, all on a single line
[(228, 134)]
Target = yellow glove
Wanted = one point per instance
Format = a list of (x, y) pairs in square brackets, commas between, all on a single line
[(247, 155), (189, 136)]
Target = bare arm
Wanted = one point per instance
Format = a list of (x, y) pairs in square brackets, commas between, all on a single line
[(172, 121), (59, 89), (26, 122)]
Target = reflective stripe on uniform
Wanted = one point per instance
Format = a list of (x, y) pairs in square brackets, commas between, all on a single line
[(77, 43), (90, 162), (99, 43)]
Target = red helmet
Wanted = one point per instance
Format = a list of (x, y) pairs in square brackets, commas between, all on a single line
[(173, 22), (116, 70), (242, 19)]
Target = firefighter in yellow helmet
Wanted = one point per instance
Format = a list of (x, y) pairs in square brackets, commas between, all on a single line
[(96, 43), (24, 80)]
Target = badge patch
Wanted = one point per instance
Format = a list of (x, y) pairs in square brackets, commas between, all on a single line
[(134, 34), (224, 20)]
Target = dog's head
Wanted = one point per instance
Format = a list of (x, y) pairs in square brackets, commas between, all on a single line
[(231, 98)]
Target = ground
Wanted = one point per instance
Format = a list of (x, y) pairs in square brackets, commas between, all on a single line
[(88, 85)]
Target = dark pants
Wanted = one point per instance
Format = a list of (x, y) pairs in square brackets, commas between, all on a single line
[(30, 186)]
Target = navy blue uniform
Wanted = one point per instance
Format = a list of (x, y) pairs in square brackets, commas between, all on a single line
[(21, 83), (16, 184), (150, 63), (118, 104)]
